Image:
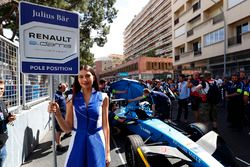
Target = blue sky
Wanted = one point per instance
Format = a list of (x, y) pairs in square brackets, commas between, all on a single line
[(127, 10)]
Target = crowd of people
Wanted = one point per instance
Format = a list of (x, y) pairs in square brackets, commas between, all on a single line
[(88, 113), (201, 94)]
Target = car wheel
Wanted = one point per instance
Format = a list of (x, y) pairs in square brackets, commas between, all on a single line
[(132, 156), (196, 130)]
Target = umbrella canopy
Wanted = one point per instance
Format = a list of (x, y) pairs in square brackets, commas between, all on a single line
[(133, 88)]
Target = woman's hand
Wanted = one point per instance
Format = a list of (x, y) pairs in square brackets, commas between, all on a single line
[(54, 108), (108, 159), (11, 117)]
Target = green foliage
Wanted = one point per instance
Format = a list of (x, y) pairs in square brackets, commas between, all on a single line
[(95, 19)]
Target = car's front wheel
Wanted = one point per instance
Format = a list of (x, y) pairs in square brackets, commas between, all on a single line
[(196, 130), (132, 156)]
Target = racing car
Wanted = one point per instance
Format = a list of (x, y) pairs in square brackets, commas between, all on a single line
[(155, 143)]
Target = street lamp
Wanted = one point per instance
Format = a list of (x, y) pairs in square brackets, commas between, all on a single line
[(225, 39)]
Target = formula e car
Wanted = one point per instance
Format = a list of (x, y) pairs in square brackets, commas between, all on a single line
[(156, 143)]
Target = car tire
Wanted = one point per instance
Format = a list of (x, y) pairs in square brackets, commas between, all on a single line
[(131, 144), (196, 131)]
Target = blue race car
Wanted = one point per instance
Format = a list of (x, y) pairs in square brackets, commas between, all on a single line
[(155, 143)]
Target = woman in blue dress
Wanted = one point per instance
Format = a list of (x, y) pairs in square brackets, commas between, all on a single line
[(87, 118)]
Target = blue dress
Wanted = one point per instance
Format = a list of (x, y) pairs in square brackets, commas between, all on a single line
[(87, 146)]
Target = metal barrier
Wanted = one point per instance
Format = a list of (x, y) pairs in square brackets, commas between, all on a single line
[(35, 86)]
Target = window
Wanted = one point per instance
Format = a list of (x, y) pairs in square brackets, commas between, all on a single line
[(180, 31), (176, 21), (245, 28), (196, 46), (214, 37), (148, 66), (182, 50), (232, 3), (196, 6)]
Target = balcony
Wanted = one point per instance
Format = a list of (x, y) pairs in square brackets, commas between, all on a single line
[(197, 52), (190, 32), (234, 40), (186, 54), (176, 21), (196, 6), (218, 18), (176, 57)]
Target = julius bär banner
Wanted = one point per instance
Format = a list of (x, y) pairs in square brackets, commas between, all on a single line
[(49, 40)]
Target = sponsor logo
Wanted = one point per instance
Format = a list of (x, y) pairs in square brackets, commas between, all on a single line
[(50, 44), (49, 40)]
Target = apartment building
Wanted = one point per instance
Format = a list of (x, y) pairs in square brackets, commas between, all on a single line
[(211, 34), (150, 32)]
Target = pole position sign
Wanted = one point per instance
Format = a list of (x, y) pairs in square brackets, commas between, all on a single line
[(49, 40)]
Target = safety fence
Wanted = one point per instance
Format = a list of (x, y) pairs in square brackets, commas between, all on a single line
[(19, 88)]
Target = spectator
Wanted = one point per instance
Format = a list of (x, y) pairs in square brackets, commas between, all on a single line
[(183, 96), (68, 93), (102, 85), (5, 118), (158, 87), (87, 118), (213, 98), (194, 95), (234, 95), (61, 101)]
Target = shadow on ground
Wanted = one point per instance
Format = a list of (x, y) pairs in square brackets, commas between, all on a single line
[(42, 150)]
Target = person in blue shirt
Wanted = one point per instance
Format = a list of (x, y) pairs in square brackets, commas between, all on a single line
[(183, 96), (234, 96), (160, 103), (61, 101)]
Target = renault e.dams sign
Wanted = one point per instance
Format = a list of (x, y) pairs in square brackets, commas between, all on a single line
[(49, 40)]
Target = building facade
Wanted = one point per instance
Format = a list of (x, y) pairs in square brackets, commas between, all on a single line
[(150, 32), (107, 63), (211, 34), (144, 68), (116, 59), (102, 64)]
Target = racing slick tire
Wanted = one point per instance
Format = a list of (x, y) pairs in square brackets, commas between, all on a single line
[(196, 131), (131, 144)]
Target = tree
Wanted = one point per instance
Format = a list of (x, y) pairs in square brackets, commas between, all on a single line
[(9, 16), (95, 19)]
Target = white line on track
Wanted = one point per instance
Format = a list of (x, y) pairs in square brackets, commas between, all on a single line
[(248, 164), (117, 149)]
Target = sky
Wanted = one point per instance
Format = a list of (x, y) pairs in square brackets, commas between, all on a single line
[(127, 10)]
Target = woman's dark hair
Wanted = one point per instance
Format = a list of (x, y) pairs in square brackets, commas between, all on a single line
[(76, 84)]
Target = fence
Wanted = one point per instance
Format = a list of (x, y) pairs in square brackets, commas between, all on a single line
[(20, 89)]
